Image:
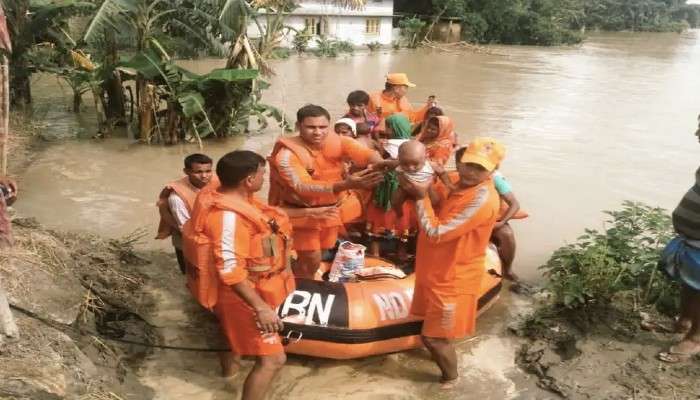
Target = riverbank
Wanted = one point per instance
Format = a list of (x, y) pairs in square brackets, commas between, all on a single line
[(72, 296), (604, 353)]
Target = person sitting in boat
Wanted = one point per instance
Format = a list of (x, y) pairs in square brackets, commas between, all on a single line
[(439, 139), (446, 292), (392, 100), (366, 137), (176, 200), (357, 110), (306, 171), (383, 221), (503, 236), (245, 243), (432, 112), (346, 127)]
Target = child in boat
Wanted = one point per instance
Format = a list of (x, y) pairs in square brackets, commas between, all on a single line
[(357, 103), (439, 139), (382, 219), (432, 112), (364, 136), (502, 236), (413, 164), (346, 127)]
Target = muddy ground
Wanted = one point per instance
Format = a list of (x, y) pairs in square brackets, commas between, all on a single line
[(74, 297), (604, 353)]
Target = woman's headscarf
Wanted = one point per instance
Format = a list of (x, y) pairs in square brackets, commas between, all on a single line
[(400, 126), (440, 148), (401, 129)]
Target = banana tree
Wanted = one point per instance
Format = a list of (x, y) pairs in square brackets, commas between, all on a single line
[(31, 22), (198, 106)]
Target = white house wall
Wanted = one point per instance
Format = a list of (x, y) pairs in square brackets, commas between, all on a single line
[(343, 24), (372, 8)]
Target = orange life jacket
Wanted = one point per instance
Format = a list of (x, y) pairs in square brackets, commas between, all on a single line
[(269, 271), (188, 194), (282, 195)]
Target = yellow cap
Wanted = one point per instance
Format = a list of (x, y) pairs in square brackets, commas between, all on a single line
[(399, 78), (485, 151)]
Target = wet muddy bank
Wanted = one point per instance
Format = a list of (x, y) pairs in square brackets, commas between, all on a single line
[(604, 353), (75, 298)]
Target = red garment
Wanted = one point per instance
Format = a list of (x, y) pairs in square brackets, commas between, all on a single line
[(381, 222)]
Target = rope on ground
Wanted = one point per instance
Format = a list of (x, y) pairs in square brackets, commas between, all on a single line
[(61, 328)]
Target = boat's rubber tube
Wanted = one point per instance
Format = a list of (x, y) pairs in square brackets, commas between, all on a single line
[(360, 319)]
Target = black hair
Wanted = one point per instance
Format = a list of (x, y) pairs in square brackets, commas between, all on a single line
[(435, 111), (388, 86), (237, 165), (459, 153), (363, 128), (312, 110), (197, 158), (358, 97)]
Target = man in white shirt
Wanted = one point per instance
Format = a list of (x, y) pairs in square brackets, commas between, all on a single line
[(176, 200)]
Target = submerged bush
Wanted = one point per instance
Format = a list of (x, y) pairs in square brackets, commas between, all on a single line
[(326, 47), (624, 257), (411, 29), (301, 42), (374, 46)]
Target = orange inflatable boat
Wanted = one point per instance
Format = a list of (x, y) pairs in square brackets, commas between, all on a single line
[(364, 318)]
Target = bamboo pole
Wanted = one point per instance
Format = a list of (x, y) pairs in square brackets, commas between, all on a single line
[(4, 114)]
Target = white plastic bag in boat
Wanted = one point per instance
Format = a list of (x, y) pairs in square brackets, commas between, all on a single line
[(349, 259)]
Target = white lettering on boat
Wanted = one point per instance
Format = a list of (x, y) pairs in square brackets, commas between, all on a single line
[(309, 305), (393, 305)]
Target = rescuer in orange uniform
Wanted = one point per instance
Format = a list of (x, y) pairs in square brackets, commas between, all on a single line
[(393, 100), (450, 253), (176, 200), (240, 251), (307, 171)]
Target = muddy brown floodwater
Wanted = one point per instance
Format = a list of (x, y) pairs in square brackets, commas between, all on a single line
[(586, 127)]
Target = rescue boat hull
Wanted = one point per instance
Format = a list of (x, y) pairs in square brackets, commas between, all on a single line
[(360, 319)]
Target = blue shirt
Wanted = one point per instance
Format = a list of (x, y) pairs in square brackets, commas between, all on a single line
[(501, 184)]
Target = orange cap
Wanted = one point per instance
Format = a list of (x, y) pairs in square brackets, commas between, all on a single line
[(399, 78), (485, 151)]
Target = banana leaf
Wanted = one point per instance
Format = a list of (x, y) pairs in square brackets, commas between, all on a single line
[(192, 104)]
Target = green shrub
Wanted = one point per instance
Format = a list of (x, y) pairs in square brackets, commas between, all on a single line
[(344, 46), (374, 46), (281, 53), (624, 257), (301, 42), (411, 29), (474, 28), (326, 47)]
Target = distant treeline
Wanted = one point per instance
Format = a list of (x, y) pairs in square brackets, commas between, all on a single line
[(551, 22)]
